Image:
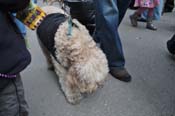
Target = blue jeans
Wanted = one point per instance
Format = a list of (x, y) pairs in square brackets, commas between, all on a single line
[(109, 14)]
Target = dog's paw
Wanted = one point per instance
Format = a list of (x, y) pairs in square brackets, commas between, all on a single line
[(51, 68), (74, 99)]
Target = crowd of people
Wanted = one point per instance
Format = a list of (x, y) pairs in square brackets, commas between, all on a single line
[(99, 16), (150, 10)]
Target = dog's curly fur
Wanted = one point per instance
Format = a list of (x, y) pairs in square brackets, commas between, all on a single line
[(83, 66)]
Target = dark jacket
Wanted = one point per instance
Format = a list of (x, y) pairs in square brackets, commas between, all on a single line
[(84, 11), (14, 56)]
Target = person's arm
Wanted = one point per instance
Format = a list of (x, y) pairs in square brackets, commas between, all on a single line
[(13, 5)]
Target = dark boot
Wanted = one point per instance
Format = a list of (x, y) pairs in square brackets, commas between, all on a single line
[(150, 24), (133, 19), (171, 45), (121, 74)]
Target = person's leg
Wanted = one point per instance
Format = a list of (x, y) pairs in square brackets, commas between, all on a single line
[(150, 12), (134, 17), (149, 24), (143, 16), (107, 21), (122, 7), (23, 106), (12, 102), (156, 13), (169, 5), (158, 10)]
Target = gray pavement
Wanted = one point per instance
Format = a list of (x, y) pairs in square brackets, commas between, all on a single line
[(151, 92)]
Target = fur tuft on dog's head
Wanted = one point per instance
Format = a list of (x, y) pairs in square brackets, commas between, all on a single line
[(52, 9)]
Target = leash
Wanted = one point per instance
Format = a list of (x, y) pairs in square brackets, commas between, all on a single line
[(63, 6), (69, 32)]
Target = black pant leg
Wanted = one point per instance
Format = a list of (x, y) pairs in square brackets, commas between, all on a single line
[(12, 101)]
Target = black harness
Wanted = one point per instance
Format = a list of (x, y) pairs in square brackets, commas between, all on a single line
[(47, 29)]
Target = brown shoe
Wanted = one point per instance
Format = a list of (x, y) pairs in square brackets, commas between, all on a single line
[(121, 74)]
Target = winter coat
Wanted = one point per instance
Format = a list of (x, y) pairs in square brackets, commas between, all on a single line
[(14, 56)]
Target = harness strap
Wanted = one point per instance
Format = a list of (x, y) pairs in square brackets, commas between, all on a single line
[(69, 33)]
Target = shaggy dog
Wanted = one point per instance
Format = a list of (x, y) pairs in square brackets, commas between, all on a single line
[(81, 66)]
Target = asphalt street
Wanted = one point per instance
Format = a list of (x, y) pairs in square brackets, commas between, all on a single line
[(151, 92)]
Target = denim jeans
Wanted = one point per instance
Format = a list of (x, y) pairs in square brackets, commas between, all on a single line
[(109, 14)]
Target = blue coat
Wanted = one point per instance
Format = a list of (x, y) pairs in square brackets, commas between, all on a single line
[(14, 56)]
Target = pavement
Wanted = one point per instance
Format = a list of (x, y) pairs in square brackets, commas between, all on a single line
[(151, 92)]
